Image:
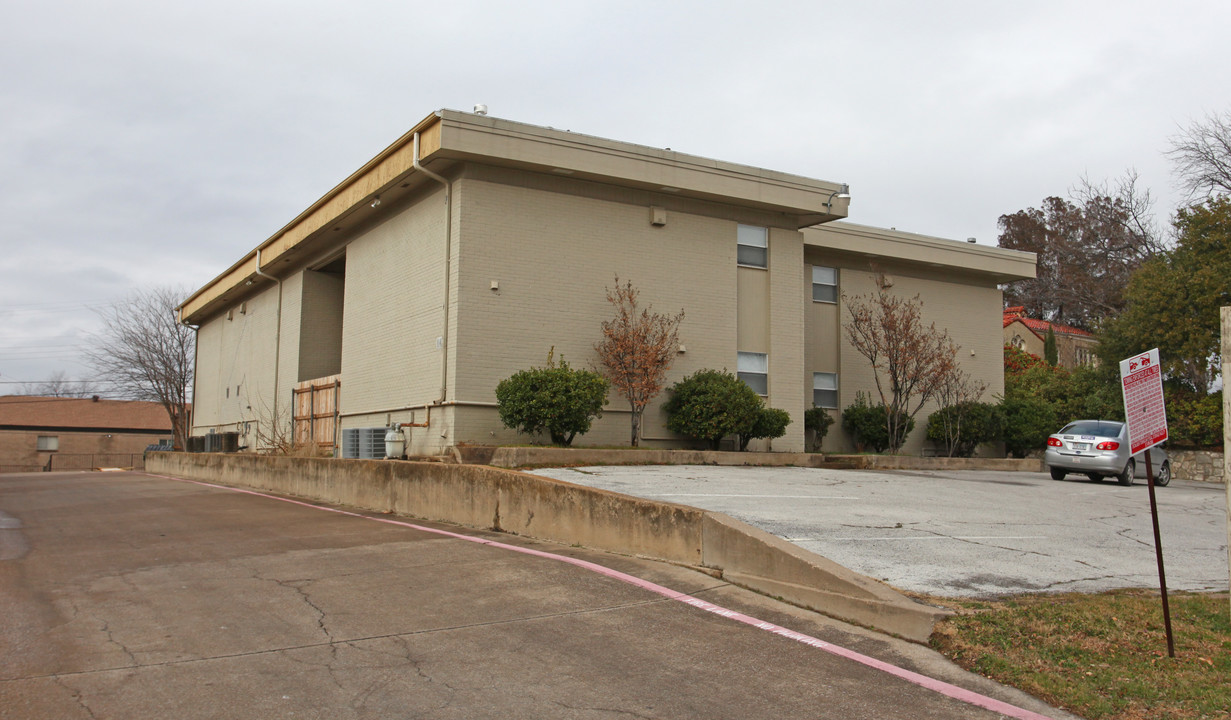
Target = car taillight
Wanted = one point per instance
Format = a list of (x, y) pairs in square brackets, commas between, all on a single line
[(1054, 442), (1109, 445)]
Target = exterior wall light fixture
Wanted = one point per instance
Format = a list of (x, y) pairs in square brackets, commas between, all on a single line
[(843, 192)]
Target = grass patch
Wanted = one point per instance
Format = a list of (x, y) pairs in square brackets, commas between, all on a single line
[(1104, 656)]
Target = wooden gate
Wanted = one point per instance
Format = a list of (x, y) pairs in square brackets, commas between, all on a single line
[(316, 411)]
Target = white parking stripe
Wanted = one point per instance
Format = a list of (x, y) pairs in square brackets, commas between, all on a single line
[(787, 497), (927, 537)]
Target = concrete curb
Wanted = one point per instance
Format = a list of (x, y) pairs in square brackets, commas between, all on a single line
[(524, 504)]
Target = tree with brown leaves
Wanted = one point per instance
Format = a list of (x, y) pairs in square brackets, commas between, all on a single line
[(910, 361), (637, 349)]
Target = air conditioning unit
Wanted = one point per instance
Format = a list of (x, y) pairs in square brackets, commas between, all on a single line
[(364, 443)]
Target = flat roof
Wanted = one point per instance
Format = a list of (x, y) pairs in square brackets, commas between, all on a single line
[(448, 137), (1001, 264)]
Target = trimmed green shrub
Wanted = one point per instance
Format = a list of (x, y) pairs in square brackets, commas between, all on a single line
[(818, 421), (963, 427), (769, 423), (1027, 423), (556, 399), (868, 426), (710, 405)]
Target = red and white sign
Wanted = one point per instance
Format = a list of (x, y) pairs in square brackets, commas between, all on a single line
[(1142, 380)]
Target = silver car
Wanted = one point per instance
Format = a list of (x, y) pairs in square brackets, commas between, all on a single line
[(1099, 449)]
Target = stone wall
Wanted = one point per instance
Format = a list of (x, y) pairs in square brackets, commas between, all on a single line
[(1198, 465)]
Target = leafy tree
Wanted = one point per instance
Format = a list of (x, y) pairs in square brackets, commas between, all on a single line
[(769, 423), (712, 404), (1017, 360), (909, 360), (1087, 248), (1193, 419), (817, 420), (1202, 156), (636, 351), (1173, 300), (146, 354), (1050, 354), (556, 399)]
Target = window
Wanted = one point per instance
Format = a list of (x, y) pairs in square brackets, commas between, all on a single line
[(754, 371), (825, 389), (753, 246), (824, 284), (48, 443)]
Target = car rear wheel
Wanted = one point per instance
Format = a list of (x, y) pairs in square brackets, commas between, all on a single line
[(1126, 476), (1163, 478), (1057, 473)]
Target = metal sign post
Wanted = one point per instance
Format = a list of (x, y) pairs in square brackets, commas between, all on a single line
[(1146, 416)]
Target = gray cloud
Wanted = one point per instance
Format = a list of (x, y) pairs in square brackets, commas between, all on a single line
[(146, 143)]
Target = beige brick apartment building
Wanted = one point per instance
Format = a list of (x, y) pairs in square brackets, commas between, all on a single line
[(472, 246)]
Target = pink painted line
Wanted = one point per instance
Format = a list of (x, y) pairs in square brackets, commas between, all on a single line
[(944, 688)]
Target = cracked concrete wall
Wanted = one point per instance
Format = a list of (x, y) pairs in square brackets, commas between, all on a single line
[(523, 504)]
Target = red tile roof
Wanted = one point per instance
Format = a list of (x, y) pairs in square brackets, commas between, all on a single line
[(1018, 314), (27, 411)]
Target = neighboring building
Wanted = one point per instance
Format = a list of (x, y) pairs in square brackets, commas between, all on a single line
[(472, 246), (58, 433), (1074, 347)]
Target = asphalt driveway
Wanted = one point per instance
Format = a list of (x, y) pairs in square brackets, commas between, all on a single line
[(126, 595), (958, 533)]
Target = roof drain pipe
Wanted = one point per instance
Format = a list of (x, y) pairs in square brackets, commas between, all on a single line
[(273, 421), (444, 332)]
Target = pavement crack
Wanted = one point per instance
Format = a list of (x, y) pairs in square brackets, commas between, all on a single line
[(77, 695)]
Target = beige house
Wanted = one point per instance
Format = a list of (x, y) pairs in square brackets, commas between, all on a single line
[(1074, 347), (472, 246)]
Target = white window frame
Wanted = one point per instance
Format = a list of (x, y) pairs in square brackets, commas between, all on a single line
[(825, 382), (752, 246), (824, 280), (753, 369), (48, 443)]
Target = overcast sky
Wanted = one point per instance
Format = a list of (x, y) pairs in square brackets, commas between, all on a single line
[(147, 143)]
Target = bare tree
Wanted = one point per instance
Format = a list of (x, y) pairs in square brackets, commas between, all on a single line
[(59, 384), (1087, 248), (910, 361), (1201, 154), (146, 354), (636, 351)]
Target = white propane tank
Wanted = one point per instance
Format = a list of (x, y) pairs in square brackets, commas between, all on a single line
[(394, 443)]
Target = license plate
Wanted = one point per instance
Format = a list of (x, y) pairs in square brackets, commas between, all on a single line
[(1081, 446)]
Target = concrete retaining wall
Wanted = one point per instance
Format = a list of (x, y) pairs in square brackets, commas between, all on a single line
[(513, 457), (524, 504)]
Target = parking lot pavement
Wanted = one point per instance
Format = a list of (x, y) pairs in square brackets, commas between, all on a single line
[(958, 533), (132, 596)]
